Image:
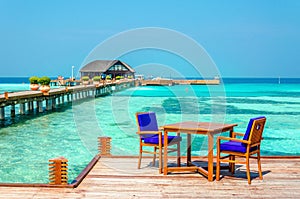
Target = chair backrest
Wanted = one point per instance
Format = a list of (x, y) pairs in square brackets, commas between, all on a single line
[(257, 130), (146, 121), (250, 125)]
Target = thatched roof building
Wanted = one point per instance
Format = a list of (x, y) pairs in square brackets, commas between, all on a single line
[(111, 68)]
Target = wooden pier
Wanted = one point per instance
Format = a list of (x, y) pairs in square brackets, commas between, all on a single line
[(28, 101), (198, 82), (171, 82)]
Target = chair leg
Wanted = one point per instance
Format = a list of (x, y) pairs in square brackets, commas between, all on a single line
[(248, 170), (160, 160), (178, 154), (154, 157), (140, 157), (232, 164), (218, 167), (259, 166)]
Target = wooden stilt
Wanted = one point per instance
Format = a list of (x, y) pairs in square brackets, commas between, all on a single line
[(53, 103), (58, 100), (40, 105), (48, 105), (2, 113), (12, 110), (22, 108)]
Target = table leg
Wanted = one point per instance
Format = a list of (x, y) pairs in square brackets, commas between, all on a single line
[(189, 155), (231, 158), (231, 133), (178, 153), (165, 152), (210, 157)]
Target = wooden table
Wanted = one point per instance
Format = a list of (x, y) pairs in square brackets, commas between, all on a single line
[(202, 128)]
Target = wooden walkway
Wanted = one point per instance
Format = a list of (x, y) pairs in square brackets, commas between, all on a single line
[(33, 100), (118, 178), (170, 82)]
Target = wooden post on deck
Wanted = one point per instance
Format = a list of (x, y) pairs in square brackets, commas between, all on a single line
[(58, 171), (104, 146)]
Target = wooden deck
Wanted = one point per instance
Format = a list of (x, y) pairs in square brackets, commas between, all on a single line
[(118, 178)]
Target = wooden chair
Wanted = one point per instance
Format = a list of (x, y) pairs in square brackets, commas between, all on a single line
[(246, 147), (150, 136)]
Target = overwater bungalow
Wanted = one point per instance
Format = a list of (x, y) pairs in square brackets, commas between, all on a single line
[(112, 68)]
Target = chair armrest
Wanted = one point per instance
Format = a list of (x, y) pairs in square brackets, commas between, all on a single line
[(148, 132), (234, 134), (233, 139)]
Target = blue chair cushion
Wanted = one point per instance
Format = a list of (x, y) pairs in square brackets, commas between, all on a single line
[(235, 146), (247, 133), (155, 139)]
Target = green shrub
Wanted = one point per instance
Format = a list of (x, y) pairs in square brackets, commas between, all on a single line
[(34, 80), (44, 80), (96, 78), (85, 78), (119, 77), (108, 77)]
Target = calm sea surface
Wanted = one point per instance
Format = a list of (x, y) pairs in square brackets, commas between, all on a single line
[(28, 142)]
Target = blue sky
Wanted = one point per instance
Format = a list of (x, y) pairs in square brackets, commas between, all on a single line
[(258, 38)]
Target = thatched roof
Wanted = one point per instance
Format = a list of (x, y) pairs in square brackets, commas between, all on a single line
[(103, 66)]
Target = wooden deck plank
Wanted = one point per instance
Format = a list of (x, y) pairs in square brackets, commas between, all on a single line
[(120, 178)]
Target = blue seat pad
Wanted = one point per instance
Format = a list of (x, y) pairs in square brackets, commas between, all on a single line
[(155, 139), (235, 146)]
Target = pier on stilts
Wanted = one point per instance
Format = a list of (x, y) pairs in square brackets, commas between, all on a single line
[(29, 101), (171, 82)]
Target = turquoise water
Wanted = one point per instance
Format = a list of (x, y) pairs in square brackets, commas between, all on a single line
[(6, 87), (26, 144), (278, 102)]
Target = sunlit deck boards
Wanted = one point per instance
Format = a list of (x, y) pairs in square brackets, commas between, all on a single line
[(119, 178)]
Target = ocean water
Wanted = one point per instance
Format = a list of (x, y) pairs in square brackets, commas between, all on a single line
[(14, 84), (13, 87), (29, 141)]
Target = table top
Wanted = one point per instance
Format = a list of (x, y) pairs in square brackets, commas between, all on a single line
[(198, 127)]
